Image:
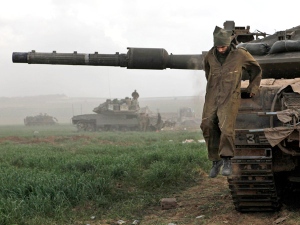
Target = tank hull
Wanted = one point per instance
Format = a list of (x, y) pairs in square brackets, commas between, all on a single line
[(40, 120), (118, 122), (101, 122), (267, 153)]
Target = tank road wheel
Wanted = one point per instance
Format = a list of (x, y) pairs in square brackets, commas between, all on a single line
[(124, 129), (80, 126), (90, 127), (136, 128), (114, 128), (106, 128)]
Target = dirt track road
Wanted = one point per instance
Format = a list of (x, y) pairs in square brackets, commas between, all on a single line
[(210, 203)]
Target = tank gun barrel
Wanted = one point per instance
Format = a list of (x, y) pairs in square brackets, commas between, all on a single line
[(136, 58)]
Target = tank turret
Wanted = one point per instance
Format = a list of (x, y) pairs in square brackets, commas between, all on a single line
[(125, 106), (267, 154)]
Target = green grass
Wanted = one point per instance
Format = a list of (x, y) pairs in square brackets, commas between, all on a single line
[(28, 131), (60, 176)]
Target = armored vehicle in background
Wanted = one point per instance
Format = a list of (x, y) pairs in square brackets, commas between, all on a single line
[(119, 115), (40, 120), (267, 154), (184, 118), (187, 118)]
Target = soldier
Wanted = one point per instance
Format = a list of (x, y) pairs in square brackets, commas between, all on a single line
[(135, 95), (159, 123), (144, 121), (134, 102), (223, 66)]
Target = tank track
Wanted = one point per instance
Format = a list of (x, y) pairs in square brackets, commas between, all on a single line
[(252, 184)]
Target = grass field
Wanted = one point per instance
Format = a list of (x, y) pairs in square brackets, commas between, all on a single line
[(55, 175)]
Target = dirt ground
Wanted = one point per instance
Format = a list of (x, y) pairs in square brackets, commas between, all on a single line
[(210, 203)]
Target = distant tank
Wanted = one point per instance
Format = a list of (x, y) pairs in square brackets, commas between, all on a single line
[(267, 154), (184, 118), (187, 118), (119, 115), (40, 120)]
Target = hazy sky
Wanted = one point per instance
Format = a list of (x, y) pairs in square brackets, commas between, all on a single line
[(181, 27)]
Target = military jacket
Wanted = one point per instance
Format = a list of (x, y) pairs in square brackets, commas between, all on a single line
[(224, 81)]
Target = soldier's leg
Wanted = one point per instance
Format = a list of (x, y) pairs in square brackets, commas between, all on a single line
[(211, 134), (227, 117)]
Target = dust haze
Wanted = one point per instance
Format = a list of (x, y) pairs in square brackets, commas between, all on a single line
[(15, 109), (180, 27)]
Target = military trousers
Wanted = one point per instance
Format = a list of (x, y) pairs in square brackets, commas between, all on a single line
[(218, 124)]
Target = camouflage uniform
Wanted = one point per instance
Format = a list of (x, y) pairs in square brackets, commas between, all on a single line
[(222, 97)]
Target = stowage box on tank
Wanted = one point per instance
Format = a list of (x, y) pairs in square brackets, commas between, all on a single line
[(267, 153)]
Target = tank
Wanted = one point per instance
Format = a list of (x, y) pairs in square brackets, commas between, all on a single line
[(119, 115), (40, 120), (267, 153), (184, 118), (187, 118)]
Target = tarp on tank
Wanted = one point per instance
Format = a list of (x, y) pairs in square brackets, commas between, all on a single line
[(275, 135)]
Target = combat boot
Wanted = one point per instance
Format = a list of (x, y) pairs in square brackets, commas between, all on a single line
[(215, 170), (227, 169)]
